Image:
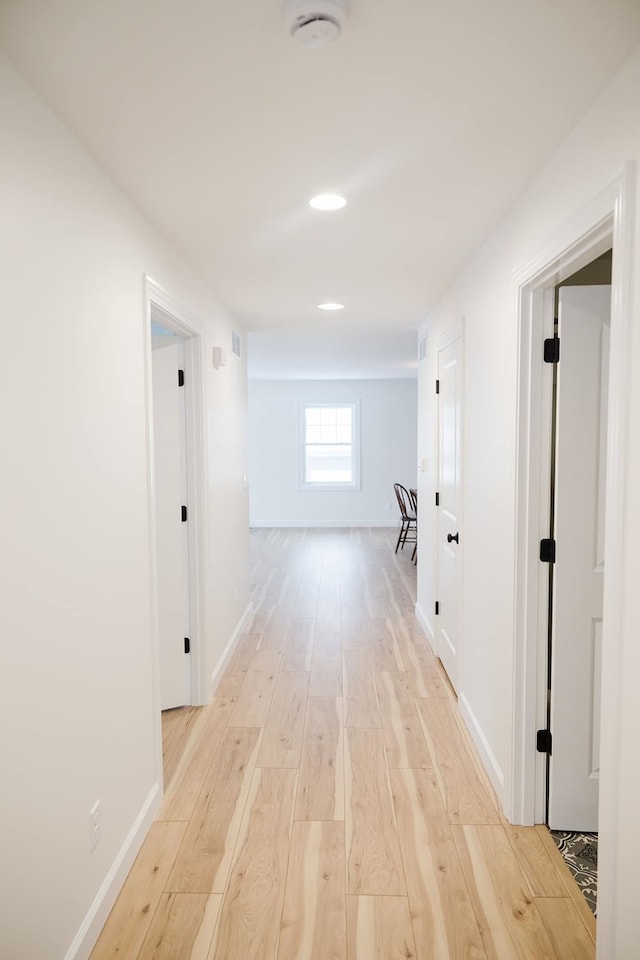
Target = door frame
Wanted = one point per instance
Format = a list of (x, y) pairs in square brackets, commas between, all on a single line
[(176, 318), (606, 222), (454, 332)]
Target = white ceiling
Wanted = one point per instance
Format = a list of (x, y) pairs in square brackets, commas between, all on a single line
[(430, 115)]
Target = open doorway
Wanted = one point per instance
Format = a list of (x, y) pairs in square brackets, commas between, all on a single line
[(572, 365), (175, 459), (171, 481), (602, 226), (574, 549)]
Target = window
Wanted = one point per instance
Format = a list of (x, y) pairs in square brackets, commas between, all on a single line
[(329, 448)]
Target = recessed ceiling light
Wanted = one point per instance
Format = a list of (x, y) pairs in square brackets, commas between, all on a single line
[(331, 306), (327, 201)]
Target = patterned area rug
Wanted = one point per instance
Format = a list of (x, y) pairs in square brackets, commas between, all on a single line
[(580, 853)]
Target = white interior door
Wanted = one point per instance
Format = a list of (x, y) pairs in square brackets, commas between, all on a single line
[(450, 385), (581, 450), (168, 430)]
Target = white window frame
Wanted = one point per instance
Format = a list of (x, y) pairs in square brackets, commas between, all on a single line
[(338, 486)]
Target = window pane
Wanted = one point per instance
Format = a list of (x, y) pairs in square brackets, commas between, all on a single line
[(343, 434), (327, 416), (328, 464), (314, 434), (312, 415), (343, 416), (328, 433)]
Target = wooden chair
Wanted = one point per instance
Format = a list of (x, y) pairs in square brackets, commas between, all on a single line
[(408, 518)]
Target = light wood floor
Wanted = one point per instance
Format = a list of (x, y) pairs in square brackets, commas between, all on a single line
[(329, 804), (177, 726)]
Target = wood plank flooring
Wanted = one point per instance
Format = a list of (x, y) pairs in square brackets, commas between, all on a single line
[(329, 804), (177, 726)]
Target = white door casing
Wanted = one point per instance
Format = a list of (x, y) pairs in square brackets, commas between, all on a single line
[(172, 551), (581, 460), (607, 221), (450, 386)]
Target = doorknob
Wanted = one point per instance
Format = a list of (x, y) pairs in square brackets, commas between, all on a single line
[(451, 537)]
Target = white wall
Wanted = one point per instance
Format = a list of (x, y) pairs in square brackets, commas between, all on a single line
[(485, 293), (76, 659), (388, 432)]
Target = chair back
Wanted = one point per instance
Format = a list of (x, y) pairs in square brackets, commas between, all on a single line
[(404, 502)]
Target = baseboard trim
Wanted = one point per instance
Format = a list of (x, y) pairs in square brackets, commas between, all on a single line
[(92, 925), (426, 624), (487, 756), (230, 647), (301, 525)]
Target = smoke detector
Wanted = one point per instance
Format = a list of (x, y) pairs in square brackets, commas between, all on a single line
[(315, 23)]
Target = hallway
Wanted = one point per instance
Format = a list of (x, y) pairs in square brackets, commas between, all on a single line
[(329, 804)]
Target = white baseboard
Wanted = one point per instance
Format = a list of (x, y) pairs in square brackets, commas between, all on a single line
[(86, 937), (230, 647), (271, 524), (487, 756), (426, 624)]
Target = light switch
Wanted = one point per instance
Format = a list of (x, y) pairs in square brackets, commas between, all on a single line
[(219, 357)]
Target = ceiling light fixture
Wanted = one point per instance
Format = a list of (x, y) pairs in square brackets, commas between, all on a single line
[(331, 306), (327, 201)]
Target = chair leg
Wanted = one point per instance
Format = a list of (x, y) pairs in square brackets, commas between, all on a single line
[(400, 535), (407, 527)]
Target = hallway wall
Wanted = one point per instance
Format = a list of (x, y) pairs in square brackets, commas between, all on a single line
[(485, 294), (76, 660), (388, 432)]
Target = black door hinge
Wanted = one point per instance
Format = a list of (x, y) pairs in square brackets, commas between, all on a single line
[(437, 608), (187, 645), (181, 378), (543, 741), (552, 350), (437, 386), (183, 513), (548, 551), (437, 499)]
